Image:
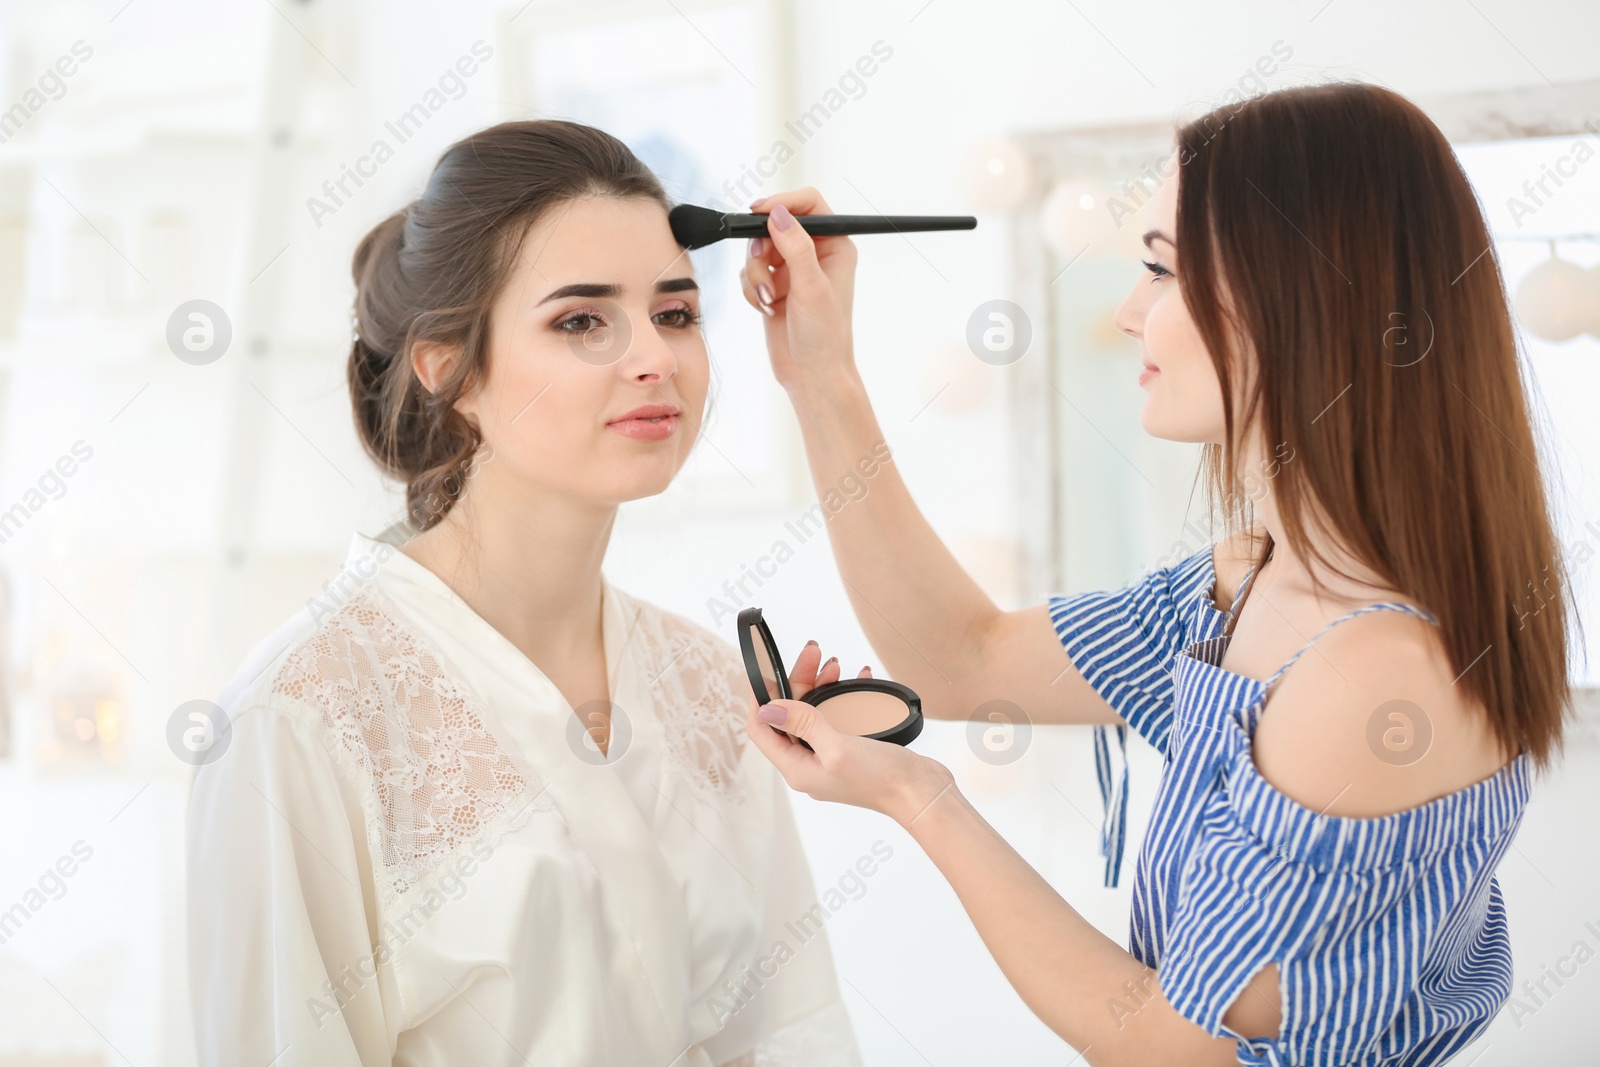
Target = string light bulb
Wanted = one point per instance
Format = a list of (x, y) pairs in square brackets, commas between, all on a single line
[(1556, 299), (996, 175)]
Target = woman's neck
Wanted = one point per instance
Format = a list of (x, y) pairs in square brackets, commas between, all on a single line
[(1291, 571), (529, 564)]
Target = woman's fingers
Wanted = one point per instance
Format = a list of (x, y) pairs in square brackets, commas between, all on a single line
[(794, 761), (757, 271), (760, 256), (807, 673), (805, 201), (799, 719), (803, 675), (777, 249), (766, 276), (773, 743), (798, 250), (779, 281), (829, 251), (750, 280), (840, 767), (748, 287)]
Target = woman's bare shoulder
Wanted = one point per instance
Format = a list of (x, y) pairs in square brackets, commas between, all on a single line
[(1370, 721)]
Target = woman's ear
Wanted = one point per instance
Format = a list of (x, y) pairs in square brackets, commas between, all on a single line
[(432, 362)]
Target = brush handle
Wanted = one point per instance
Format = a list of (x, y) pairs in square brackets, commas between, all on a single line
[(747, 225)]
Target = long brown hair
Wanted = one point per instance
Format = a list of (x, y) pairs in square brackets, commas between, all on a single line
[(1330, 231), (431, 272)]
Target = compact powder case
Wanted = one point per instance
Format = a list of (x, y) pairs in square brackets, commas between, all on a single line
[(874, 708)]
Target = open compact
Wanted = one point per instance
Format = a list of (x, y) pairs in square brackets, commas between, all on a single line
[(874, 708)]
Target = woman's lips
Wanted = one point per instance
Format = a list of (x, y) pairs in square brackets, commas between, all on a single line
[(656, 429), (1147, 373)]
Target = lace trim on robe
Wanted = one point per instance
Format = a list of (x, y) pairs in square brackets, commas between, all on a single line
[(436, 780), (701, 693)]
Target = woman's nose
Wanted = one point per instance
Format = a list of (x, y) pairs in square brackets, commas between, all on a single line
[(650, 357), (1129, 317)]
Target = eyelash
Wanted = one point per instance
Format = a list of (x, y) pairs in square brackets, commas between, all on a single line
[(689, 317), (1156, 269)]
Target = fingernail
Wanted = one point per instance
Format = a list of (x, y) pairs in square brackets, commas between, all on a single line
[(767, 310), (810, 643), (757, 246), (764, 293), (755, 205), (831, 659), (773, 714), (780, 217)]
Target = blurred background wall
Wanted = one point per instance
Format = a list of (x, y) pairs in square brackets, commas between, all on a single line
[(182, 185)]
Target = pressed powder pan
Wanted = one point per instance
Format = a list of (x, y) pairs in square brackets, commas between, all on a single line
[(874, 708)]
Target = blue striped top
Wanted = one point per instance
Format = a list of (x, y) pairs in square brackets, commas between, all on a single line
[(1389, 933)]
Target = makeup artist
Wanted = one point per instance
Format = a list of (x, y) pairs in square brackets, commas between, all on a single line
[(1316, 882)]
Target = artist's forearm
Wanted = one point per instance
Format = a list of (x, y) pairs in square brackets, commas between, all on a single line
[(1087, 989), (919, 607)]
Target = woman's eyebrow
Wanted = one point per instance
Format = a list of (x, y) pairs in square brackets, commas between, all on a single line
[(592, 289), (610, 290), (1157, 235)]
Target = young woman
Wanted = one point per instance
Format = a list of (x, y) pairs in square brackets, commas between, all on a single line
[(1316, 882), (479, 805)]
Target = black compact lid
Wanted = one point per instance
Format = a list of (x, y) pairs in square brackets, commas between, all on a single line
[(753, 629)]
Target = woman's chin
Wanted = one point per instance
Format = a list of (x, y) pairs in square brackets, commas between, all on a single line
[(640, 484), (1160, 423), (1152, 421)]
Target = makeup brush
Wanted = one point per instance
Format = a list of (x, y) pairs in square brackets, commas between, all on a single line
[(696, 227)]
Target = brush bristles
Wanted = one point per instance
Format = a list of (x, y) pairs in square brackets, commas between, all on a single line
[(695, 227)]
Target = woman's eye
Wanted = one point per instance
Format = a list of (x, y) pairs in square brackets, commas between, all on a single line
[(1156, 269), (678, 318), (582, 322)]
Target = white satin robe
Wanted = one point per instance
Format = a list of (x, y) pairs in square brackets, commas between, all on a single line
[(401, 857)]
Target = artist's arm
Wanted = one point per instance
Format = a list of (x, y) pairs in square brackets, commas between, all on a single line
[(934, 627), (1311, 747), (1091, 992)]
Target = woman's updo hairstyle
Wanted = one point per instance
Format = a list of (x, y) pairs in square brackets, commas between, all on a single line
[(432, 271)]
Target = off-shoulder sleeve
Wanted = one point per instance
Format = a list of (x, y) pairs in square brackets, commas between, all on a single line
[(276, 907), (1351, 911), (1123, 642)]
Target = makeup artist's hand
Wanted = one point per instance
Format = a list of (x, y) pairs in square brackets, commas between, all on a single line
[(809, 288), (809, 670), (841, 767)]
